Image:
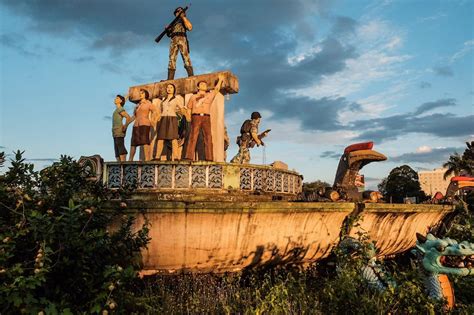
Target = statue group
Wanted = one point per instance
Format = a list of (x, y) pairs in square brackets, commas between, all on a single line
[(168, 128)]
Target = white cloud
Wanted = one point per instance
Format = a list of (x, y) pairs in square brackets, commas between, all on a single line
[(378, 61), (294, 60), (468, 46), (432, 17), (424, 149)]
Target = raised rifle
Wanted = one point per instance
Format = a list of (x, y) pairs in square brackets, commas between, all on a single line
[(252, 142), (167, 28)]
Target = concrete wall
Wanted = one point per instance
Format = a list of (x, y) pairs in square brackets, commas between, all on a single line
[(219, 236), (393, 226)]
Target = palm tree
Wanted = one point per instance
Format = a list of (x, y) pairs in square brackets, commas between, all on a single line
[(455, 165), (2, 158), (468, 157)]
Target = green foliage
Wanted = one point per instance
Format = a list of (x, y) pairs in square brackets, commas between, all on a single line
[(319, 289), (401, 182), (461, 164), (2, 158), (314, 186), (461, 228), (285, 291), (59, 251)]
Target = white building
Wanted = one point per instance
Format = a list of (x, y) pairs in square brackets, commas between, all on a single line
[(432, 181)]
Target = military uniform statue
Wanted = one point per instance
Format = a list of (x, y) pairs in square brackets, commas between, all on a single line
[(248, 137), (179, 41)]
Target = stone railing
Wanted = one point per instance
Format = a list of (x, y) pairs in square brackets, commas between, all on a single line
[(201, 175)]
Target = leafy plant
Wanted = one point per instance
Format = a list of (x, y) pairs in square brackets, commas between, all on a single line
[(60, 251), (401, 182)]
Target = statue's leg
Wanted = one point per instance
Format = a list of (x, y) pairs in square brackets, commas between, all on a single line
[(174, 150), (146, 149), (154, 142), (172, 58), (183, 48), (159, 149), (193, 135), (206, 128), (245, 156), (132, 153), (238, 157)]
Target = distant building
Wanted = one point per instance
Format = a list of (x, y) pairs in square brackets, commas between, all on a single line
[(432, 182)]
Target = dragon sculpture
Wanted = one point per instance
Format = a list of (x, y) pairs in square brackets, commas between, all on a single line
[(438, 257), (442, 257)]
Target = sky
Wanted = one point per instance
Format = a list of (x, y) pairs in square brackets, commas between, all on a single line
[(323, 73)]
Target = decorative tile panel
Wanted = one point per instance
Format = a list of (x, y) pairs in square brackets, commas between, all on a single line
[(245, 179), (270, 180), (130, 175), (199, 176), (147, 178), (165, 176), (258, 179), (181, 176), (278, 180), (215, 176), (114, 178)]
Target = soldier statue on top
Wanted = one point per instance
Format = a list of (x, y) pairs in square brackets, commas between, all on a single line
[(248, 138), (176, 30)]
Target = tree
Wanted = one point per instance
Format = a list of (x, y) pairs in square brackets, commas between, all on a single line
[(57, 254), (468, 157), (382, 186), (455, 165), (314, 186), (401, 182), (461, 164), (469, 151)]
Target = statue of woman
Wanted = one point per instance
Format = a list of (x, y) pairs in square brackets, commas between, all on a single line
[(167, 127), (142, 125)]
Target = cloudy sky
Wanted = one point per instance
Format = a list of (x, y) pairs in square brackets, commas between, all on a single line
[(324, 74)]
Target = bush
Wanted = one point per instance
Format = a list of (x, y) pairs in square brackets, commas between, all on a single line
[(461, 228), (57, 252)]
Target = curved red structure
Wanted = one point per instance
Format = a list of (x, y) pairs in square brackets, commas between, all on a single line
[(462, 178), (359, 146)]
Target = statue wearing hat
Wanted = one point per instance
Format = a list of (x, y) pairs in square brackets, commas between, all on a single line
[(179, 42), (248, 138)]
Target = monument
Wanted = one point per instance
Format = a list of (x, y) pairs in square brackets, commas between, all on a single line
[(213, 216)]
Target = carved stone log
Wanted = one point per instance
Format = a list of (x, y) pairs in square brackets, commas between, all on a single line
[(187, 85), (371, 196), (331, 194)]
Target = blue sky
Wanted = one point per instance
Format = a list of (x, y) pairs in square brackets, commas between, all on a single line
[(324, 74)]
